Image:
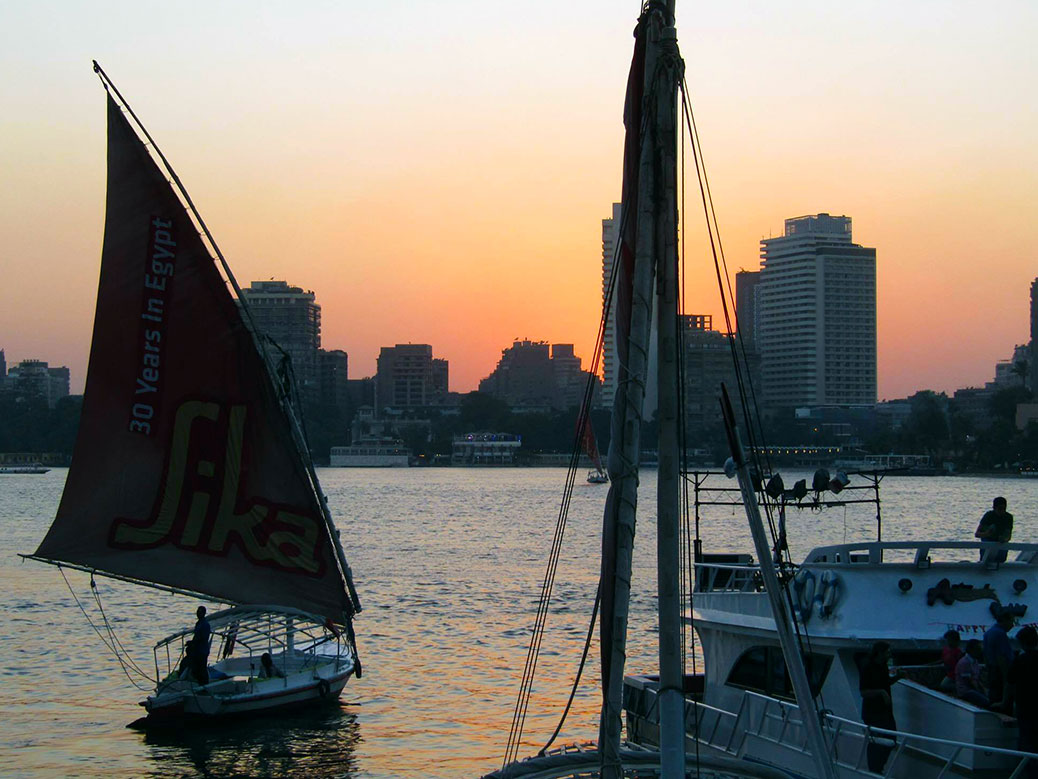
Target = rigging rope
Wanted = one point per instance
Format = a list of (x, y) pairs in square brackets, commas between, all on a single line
[(115, 645), (529, 671), (747, 395)]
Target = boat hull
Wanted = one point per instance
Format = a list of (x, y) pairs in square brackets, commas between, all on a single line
[(212, 701)]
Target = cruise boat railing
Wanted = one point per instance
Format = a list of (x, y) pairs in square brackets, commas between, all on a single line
[(744, 576), (778, 723)]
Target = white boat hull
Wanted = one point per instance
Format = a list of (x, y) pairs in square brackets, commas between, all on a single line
[(233, 697)]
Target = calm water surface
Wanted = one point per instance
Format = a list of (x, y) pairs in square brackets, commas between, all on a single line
[(448, 564)]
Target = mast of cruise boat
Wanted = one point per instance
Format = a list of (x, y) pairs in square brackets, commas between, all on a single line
[(668, 490), (790, 648)]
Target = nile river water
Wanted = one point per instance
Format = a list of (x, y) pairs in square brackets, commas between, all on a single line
[(448, 564)]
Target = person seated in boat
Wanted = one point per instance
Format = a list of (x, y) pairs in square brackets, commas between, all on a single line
[(267, 668), (996, 525), (186, 670), (877, 708), (951, 653), (199, 644), (967, 676), (998, 652)]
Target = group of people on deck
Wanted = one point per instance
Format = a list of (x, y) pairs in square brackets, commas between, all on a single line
[(196, 654), (1012, 678)]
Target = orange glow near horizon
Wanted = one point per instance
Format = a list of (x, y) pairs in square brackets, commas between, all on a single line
[(440, 176)]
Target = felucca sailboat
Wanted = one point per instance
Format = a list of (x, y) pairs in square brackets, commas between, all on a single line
[(190, 471)]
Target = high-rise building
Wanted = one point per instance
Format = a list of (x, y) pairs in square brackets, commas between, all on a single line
[(35, 380), (531, 375), (523, 376), (409, 377), (292, 318), (746, 304), (1033, 361), (334, 365), (707, 363), (3, 370), (816, 315), (610, 365)]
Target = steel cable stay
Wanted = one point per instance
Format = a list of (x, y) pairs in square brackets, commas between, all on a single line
[(746, 392), (537, 633), (523, 697)]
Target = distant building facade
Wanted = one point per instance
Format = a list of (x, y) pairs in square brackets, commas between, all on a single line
[(610, 365), (536, 376), (1033, 356), (292, 318), (334, 378), (35, 380), (409, 377), (707, 364), (746, 282), (815, 311)]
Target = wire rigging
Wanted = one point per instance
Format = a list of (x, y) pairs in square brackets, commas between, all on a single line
[(110, 641)]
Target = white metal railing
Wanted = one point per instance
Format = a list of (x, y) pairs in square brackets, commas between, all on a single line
[(728, 577), (872, 552), (780, 724)]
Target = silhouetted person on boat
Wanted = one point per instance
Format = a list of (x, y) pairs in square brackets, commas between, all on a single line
[(1022, 688), (996, 525), (967, 676), (877, 708), (199, 647), (998, 654), (267, 668), (951, 653)]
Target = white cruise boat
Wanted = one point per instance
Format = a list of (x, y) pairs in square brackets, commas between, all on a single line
[(907, 594), (371, 453), (25, 468)]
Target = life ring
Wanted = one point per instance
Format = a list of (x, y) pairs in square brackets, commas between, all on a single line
[(804, 594), (323, 688), (829, 594)]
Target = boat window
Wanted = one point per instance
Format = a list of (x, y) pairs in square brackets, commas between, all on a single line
[(763, 669), (751, 670)]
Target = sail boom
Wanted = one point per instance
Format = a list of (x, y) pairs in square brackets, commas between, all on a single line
[(129, 579)]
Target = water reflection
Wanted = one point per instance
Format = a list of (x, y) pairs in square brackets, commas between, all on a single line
[(311, 743)]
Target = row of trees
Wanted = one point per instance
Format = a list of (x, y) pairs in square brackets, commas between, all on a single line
[(937, 427)]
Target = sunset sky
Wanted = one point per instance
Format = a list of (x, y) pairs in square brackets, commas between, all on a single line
[(438, 172)]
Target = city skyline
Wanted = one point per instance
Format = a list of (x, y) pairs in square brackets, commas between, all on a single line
[(421, 173)]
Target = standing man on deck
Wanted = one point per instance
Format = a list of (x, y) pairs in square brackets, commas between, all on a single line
[(200, 647), (996, 525)]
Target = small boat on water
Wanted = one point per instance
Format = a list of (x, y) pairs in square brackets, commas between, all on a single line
[(32, 468), (268, 657), (191, 473)]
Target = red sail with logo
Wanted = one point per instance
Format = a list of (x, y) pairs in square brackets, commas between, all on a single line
[(185, 473)]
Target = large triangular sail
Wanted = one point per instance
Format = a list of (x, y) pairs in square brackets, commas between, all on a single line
[(185, 473)]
